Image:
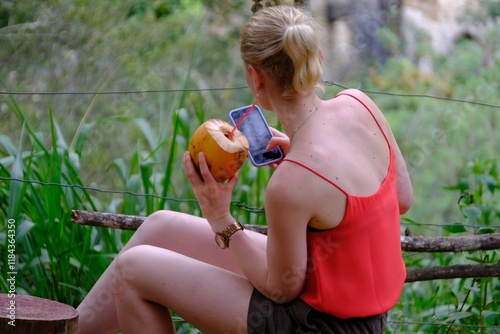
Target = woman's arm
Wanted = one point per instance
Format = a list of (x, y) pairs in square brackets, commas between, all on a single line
[(279, 272), (288, 214)]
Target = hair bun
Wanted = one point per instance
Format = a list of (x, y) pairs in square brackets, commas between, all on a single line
[(282, 41)]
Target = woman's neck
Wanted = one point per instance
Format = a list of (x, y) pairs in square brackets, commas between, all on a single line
[(294, 113)]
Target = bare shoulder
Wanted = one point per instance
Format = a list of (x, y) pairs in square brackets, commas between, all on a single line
[(357, 94), (286, 185), (365, 101), (306, 198), (287, 196)]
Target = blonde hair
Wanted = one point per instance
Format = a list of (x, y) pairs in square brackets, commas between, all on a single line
[(282, 41)]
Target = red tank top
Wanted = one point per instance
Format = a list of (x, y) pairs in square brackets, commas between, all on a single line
[(356, 269)]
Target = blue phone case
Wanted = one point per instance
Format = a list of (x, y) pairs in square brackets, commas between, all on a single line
[(257, 131)]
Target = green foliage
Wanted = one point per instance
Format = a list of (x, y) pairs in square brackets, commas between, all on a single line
[(447, 147), (74, 148), (55, 259), (477, 201), (459, 303)]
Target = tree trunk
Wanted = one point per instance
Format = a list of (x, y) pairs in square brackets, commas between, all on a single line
[(28, 314)]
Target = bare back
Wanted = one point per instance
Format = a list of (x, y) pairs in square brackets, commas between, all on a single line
[(343, 143)]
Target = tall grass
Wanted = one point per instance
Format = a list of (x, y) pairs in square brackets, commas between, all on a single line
[(55, 259), (61, 261)]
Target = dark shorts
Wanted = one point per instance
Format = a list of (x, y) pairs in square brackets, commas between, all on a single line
[(267, 317)]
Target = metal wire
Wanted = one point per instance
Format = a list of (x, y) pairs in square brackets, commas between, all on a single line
[(241, 206), (156, 91)]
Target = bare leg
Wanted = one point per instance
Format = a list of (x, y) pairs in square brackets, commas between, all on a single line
[(180, 233), (212, 299)]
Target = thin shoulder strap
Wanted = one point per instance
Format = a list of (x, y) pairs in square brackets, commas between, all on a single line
[(371, 113), (317, 173), (321, 175)]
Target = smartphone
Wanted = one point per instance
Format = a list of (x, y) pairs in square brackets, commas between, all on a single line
[(258, 133)]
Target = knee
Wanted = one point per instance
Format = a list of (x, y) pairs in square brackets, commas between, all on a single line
[(158, 218), (157, 225), (128, 264)]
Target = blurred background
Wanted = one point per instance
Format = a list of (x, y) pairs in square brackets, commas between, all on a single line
[(447, 49), (98, 100)]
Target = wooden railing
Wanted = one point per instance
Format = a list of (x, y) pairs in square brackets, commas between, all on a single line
[(408, 244)]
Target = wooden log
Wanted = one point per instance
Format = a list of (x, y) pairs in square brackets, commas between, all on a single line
[(451, 244), (28, 314), (125, 222), (408, 243), (453, 271), (109, 220)]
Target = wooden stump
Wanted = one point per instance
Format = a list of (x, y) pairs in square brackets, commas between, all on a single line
[(26, 314)]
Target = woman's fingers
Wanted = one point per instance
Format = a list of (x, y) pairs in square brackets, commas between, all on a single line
[(204, 170), (189, 168)]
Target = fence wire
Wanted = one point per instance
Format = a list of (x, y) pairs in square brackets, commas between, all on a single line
[(240, 205), (440, 324), (189, 90)]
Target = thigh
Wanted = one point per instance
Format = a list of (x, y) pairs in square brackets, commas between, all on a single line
[(212, 299), (188, 235)]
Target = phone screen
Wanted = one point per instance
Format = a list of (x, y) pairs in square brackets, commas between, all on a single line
[(257, 131)]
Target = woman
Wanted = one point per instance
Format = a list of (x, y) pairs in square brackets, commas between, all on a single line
[(332, 259)]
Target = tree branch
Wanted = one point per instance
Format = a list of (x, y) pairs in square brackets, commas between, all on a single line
[(451, 244), (408, 243), (453, 271)]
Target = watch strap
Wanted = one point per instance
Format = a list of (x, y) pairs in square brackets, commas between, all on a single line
[(226, 234)]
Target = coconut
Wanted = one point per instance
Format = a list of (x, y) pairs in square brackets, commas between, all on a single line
[(224, 155)]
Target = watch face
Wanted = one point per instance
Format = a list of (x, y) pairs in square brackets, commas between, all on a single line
[(220, 241)]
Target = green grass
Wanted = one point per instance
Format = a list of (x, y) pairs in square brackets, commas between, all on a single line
[(61, 261)]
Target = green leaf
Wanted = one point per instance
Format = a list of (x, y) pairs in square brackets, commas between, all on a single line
[(17, 188), (485, 230), (487, 314), (119, 164), (456, 228), (409, 220), (147, 132), (146, 171), (458, 315), (24, 227), (81, 137), (472, 213), (7, 143)]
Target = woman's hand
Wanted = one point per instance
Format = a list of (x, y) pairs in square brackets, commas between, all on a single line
[(213, 197), (280, 139)]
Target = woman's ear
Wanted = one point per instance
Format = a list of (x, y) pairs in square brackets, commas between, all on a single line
[(321, 56), (257, 76)]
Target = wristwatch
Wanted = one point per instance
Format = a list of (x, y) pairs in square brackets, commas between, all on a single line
[(222, 238)]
